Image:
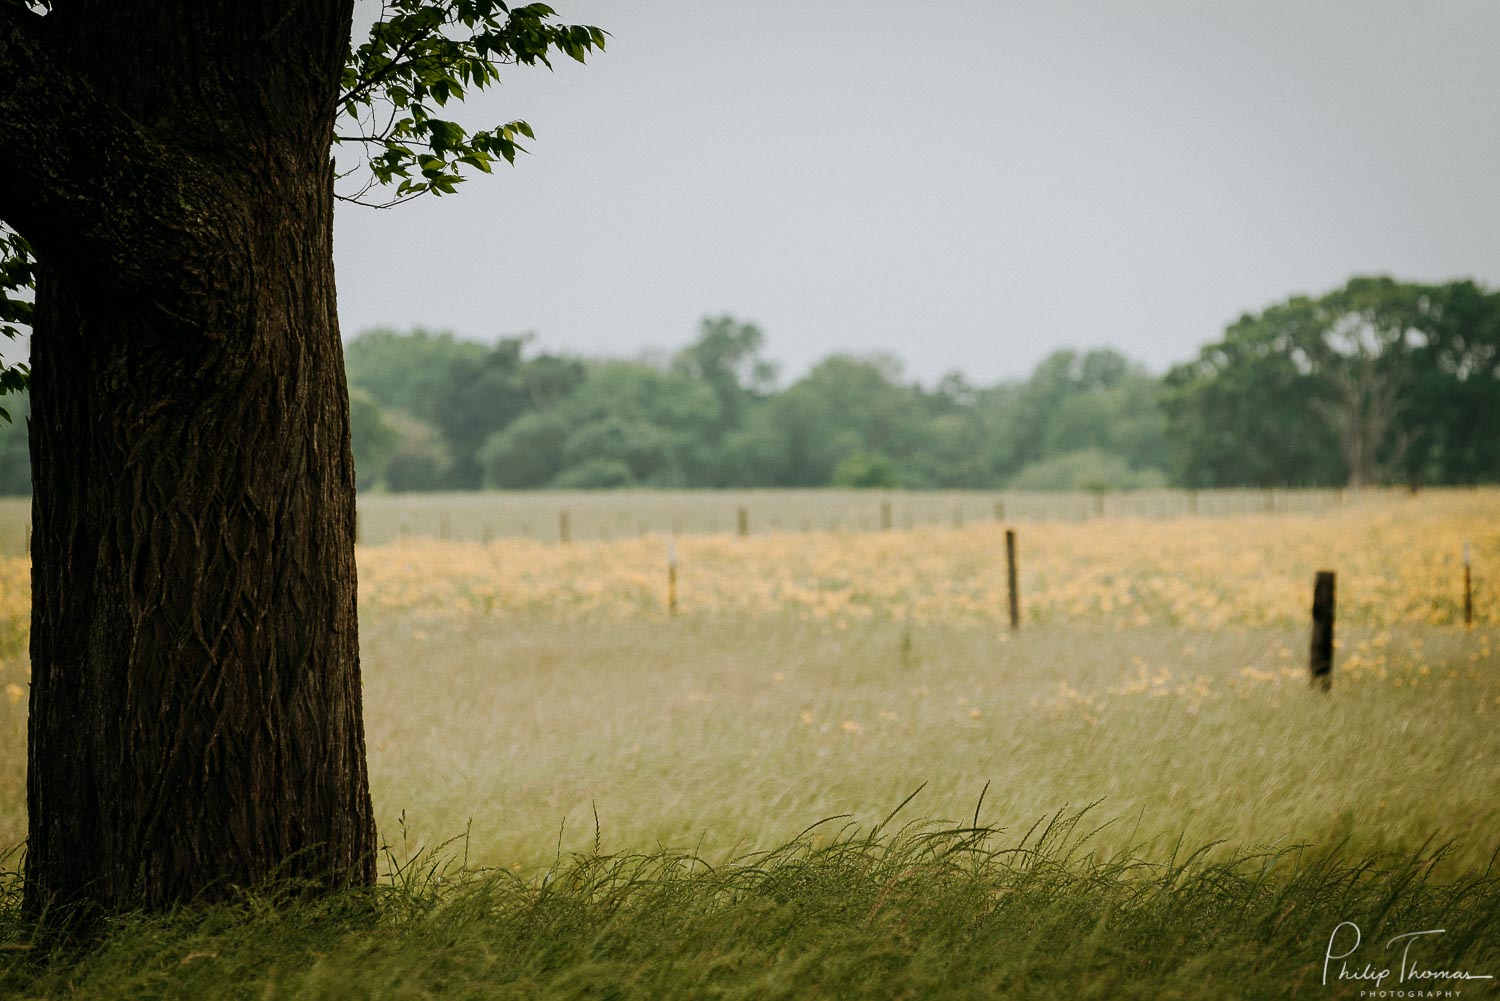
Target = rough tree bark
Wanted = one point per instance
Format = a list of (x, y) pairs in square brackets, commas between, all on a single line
[(195, 703)]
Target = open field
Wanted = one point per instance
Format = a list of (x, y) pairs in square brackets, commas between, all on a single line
[(540, 697), (1160, 669)]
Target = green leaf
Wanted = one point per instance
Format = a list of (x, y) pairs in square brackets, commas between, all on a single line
[(425, 54)]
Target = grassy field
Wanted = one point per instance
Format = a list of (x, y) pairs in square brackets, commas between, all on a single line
[(620, 770)]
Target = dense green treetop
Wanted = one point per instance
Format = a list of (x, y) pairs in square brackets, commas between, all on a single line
[(1374, 382)]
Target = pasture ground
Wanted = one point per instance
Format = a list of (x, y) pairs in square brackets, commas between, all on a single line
[(1136, 795)]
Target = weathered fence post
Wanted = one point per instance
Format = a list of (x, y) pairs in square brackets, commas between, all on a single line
[(564, 529), (1468, 591), (1010, 575), (672, 579), (744, 522), (1320, 663)]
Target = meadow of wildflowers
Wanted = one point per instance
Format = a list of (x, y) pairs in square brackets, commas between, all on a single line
[(1399, 563), (516, 688)]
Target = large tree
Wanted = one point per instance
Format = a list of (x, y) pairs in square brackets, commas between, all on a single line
[(1377, 381), (195, 707)]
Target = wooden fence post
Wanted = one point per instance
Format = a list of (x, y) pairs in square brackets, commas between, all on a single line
[(744, 522), (1468, 591), (1010, 574), (1320, 662), (672, 579), (564, 530)]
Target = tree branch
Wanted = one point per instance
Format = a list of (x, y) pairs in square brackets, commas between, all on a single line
[(65, 152), (364, 86)]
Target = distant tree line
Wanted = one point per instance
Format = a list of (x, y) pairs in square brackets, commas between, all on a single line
[(433, 412), (1377, 382)]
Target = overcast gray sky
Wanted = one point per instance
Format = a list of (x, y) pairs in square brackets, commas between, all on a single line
[(966, 185)]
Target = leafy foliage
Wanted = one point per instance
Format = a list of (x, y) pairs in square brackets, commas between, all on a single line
[(865, 470), (375, 439), (711, 416), (17, 279), (1086, 469), (419, 56), (1376, 381)]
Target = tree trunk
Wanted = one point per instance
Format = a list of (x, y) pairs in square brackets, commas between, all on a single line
[(195, 705)]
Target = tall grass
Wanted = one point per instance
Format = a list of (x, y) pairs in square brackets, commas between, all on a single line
[(733, 735), (721, 736), (928, 911)]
